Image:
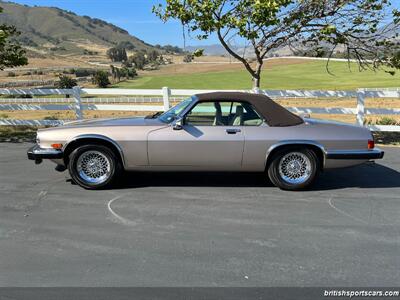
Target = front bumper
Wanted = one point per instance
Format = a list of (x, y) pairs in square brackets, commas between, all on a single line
[(354, 155), (38, 154)]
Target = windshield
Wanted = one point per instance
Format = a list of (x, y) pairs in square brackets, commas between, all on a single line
[(171, 114)]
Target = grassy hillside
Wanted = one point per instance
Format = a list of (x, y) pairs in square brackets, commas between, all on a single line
[(58, 30), (310, 75)]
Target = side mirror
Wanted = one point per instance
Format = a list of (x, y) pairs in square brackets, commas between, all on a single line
[(178, 124)]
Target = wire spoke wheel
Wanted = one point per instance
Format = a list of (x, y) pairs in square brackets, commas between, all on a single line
[(295, 168), (93, 167)]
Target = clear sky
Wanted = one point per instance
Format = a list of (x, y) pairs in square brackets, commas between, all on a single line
[(132, 15)]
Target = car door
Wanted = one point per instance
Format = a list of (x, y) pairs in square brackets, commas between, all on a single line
[(205, 141)]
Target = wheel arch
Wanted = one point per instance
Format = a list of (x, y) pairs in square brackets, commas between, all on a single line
[(316, 147), (93, 139)]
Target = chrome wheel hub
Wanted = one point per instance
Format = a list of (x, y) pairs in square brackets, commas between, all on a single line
[(295, 168), (94, 167)]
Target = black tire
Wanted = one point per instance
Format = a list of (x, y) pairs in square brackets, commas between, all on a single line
[(103, 154), (279, 180)]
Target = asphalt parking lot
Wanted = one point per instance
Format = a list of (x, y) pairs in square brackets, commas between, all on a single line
[(166, 229)]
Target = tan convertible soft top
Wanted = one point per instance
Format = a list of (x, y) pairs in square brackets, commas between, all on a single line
[(274, 114)]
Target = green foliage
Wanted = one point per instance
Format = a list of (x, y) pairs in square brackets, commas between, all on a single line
[(129, 73), (125, 72), (82, 72), (126, 45), (51, 118), (11, 53), (139, 60), (66, 82), (387, 121), (198, 52), (117, 54), (358, 26), (100, 78), (170, 49)]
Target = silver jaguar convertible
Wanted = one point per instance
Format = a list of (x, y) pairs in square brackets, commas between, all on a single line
[(207, 132)]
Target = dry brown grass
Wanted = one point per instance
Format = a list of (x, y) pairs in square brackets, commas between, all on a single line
[(85, 44), (352, 118), (55, 61), (70, 115), (340, 102)]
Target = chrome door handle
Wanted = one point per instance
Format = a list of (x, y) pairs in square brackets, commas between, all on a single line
[(233, 131)]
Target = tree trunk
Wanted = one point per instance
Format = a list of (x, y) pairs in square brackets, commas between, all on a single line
[(256, 82), (257, 75)]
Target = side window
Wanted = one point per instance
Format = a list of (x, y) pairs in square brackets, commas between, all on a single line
[(209, 114), (223, 113), (243, 114)]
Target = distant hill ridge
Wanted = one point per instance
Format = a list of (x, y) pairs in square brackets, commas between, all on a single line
[(58, 30)]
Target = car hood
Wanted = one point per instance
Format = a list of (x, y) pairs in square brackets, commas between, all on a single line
[(114, 122)]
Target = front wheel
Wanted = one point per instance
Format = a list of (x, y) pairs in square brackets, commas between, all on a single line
[(93, 166), (293, 169)]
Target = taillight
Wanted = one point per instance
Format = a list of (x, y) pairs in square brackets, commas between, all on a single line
[(371, 144)]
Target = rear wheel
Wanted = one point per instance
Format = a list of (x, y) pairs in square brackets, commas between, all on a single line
[(93, 166), (293, 168)]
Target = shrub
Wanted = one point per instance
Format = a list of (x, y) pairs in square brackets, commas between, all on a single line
[(19, 96), (139, 60), (100, 78), (83, 72), (51, 118), (188, 58), (4, 116), (387, 121), (11, 74), (66, 82)]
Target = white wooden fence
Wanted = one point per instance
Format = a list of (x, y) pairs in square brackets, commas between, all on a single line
[(167, 95)]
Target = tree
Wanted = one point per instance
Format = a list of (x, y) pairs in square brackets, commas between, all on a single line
[(126, 45), (117, 54), (11, 53), (139, 60), (124, 72), (128, 73), (153, 55), (115, 73), (100, 78), (364, 28), (188, 58), (66, 82)]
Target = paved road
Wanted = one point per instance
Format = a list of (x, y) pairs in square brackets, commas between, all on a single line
[(198, 229)]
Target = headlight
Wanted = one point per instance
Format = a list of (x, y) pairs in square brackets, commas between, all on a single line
[(37, 139)]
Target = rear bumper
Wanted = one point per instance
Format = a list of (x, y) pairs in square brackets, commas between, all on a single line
[(354, 155), (38, 154)]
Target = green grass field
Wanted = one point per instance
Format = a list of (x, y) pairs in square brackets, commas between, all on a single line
[(312, 75)]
